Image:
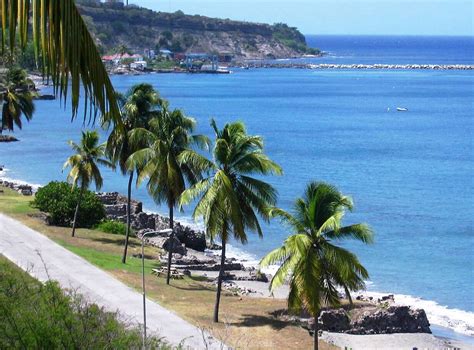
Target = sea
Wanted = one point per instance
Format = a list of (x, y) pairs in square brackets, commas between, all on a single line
[(410, 174)]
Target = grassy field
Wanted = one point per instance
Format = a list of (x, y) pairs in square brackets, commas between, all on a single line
[(246, 323)]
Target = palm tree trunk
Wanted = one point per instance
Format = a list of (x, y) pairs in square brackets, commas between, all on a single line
[(219, 283), (316, 345), (170, 252), (127, 233), (76, 212), (348, 296)]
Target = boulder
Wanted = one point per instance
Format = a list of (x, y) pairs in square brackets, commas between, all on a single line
[(167, 243), (334, 320), (192, 239), (393, 319), (215, 267), (142, 221)]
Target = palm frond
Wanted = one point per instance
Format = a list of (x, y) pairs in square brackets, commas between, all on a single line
[(69, 54)]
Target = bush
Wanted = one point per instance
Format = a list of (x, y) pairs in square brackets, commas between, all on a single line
[(59, 201), (42, 316), (111, 226)]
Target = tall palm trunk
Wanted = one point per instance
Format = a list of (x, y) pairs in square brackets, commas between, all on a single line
[(77, 211), (127, 233), (348, 296), (219, 283), (316, 345), (171, 248)]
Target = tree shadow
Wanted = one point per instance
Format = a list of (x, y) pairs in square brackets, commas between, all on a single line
[(260, 320), (194, 287), (119, 242)]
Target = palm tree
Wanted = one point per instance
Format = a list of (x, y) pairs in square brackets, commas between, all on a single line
[(84, 166), (137, 107), (169, 162), (16, 99), (64, 45), (231, 199), (310, 258)]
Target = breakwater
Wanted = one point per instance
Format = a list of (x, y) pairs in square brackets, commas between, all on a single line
[(331, 66)]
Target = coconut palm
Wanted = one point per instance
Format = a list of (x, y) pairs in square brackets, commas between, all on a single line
[(310, 258), (169, 162), (84, 166), (64, 45), (137, 107), (16, 99), (231, 199)]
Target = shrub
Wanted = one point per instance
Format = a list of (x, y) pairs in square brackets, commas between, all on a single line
[(43, 316), (59, 201), (111, 226)]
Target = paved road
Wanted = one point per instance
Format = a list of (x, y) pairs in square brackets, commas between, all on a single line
[(33, 251)]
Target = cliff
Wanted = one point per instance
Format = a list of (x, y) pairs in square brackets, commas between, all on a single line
[(139, 28)]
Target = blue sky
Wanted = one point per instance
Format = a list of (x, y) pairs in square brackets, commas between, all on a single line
[(399, 17)]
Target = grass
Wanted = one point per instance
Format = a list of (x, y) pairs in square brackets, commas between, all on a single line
[(246, 323)]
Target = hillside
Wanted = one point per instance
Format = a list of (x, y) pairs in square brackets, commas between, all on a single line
[(140, 28)]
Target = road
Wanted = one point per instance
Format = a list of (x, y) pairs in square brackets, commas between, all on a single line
[(45, 259)]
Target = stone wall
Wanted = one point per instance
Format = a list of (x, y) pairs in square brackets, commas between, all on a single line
[(116, 209)]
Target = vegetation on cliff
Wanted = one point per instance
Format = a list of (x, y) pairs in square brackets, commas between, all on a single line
[(140, 28)]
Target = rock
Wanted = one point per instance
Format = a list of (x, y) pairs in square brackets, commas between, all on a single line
[(142, 220), (214, 267), (394, 319), (114, 198), (45, 97), (191, 260), (252, 276), (213, 246), (192, 239), (389, 298), (167, 243), (7, 138), (334, 320)]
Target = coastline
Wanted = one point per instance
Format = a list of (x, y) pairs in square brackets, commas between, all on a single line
[(450, 320)]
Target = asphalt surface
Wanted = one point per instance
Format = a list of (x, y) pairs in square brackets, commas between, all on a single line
[(44, 259)]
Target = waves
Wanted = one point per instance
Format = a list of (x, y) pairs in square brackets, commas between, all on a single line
[(4, 176), (459, 321)]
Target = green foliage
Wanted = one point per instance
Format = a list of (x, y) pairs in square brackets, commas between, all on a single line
[(176, 46), (111, 226), (16, 98), (310, 258), (42, 316), (291, 37), (59, 200), (84, 163), (69, 55)]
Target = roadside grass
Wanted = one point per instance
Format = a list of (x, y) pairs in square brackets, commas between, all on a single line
[(246, 322)]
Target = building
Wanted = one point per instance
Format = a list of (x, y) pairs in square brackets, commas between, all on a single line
[(166, 54)]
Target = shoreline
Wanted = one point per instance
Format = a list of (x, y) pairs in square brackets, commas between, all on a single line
[(457, 325)]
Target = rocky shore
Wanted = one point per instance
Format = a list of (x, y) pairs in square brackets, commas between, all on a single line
[(193, 256), (23, 189)]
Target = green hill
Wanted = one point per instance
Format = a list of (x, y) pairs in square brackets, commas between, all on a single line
[(140, 28)]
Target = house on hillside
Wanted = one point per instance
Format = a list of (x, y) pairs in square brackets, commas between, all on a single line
[(166, 54), (117, 59)]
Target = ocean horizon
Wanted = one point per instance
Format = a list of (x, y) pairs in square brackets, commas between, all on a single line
[(410, 173)]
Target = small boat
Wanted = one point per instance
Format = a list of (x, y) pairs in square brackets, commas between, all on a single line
[(402, 109)]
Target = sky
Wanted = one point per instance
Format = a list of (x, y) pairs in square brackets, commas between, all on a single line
[(358, 17)]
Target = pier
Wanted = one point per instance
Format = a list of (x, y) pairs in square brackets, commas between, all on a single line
[(330, 66)]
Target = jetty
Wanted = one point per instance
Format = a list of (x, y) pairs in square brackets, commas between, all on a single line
[(331, 66)]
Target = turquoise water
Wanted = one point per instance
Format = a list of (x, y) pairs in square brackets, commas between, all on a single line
[(410, 174)]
